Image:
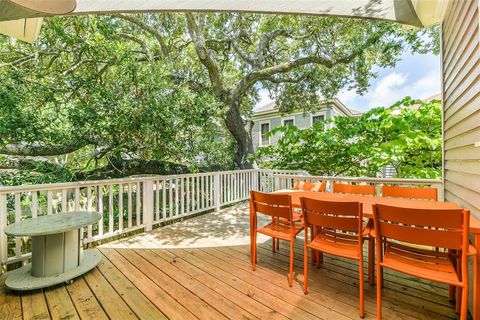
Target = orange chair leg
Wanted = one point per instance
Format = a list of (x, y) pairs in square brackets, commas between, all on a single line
[(464, 302), (290, 278), (278, 244), (254, 251), (371, 261), (379, 291), (305, 269), (459, 290), (360, 285)]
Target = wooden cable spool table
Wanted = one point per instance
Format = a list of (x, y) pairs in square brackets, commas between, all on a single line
[(57, 253)]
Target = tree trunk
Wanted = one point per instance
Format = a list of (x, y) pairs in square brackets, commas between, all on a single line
[(241, 130)]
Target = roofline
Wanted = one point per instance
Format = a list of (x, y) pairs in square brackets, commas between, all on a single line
[(335, 101)]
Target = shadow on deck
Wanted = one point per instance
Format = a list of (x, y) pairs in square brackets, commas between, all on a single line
[(199, 269)]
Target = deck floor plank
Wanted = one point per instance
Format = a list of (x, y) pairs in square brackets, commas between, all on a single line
[(85, 301), (59, 303), (219, 302), (112, 303), (279, 290), (189, 300), (140, 305), (34, 305), (159, 297), (10, 303)]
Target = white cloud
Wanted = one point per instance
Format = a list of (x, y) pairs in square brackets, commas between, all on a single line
[(392, 88)]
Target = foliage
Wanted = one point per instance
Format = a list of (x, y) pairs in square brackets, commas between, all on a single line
[(96, 94), (407, 135)]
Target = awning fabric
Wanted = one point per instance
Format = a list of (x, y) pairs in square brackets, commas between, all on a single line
[(402, 11), (22, 29)]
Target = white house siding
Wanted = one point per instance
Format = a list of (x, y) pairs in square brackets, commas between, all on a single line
[(461, 96), (461, 100), (301, 121)]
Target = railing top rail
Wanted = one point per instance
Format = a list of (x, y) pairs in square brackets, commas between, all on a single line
[(80, 184), (363, 179)]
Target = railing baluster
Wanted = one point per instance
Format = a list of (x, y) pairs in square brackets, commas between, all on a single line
[(100, 209), (170, 199), (164, 200), (157, 200), (18, 217), (138, 204), (189, 208), (64, 200), (120, 207), (34, 204), (49, 202), (129, 206), (89, 208), (110, 209), (182, 200)]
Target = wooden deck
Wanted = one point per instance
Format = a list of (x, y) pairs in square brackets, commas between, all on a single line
[(199, 269)]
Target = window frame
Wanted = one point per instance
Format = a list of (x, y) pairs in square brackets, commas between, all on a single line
[(260, 140)]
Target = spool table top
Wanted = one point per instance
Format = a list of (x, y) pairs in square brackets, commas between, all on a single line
[(52, 224)]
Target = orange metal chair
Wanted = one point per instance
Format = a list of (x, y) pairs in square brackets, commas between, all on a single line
[(410, 192), (396, 229), (338, 230), (283, 227), (310, 186), (366, 190)]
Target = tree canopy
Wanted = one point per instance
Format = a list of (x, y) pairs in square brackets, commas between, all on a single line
[(406, 135), (120, 94)]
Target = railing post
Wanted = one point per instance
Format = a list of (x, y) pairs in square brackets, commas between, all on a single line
[(216, 191), (148, 205), (3, 225)]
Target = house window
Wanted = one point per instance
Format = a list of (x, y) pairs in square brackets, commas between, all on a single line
[(288, 122), (264, 129), (318, 118)]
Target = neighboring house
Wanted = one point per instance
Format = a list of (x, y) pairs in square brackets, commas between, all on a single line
[(268, 117)]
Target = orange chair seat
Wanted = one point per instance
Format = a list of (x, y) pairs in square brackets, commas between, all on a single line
[(436, 266), (280, 230), (337, 246)]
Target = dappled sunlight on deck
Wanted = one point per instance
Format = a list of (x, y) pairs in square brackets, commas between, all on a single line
[(227, 227)]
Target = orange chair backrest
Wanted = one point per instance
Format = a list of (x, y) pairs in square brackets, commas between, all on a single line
[(410, 192), (354, 189), (274, 205), (310, 186), (332, 215), (438, 228)]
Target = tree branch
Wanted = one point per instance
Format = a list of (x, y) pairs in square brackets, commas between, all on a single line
[(38, 150), (142, 25), (205, 56)]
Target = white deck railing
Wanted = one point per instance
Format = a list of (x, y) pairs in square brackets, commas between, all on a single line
[(140, 203), (283, 181)]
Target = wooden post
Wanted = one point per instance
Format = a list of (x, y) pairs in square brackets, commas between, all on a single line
[(148, 205), (216, 191)]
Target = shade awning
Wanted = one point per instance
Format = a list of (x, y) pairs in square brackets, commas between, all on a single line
[(416, 13), (22, 29)]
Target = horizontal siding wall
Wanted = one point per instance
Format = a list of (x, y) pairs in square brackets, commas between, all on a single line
[(461, 96)]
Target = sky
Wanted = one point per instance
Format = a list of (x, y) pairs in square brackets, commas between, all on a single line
[(416, 75)]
